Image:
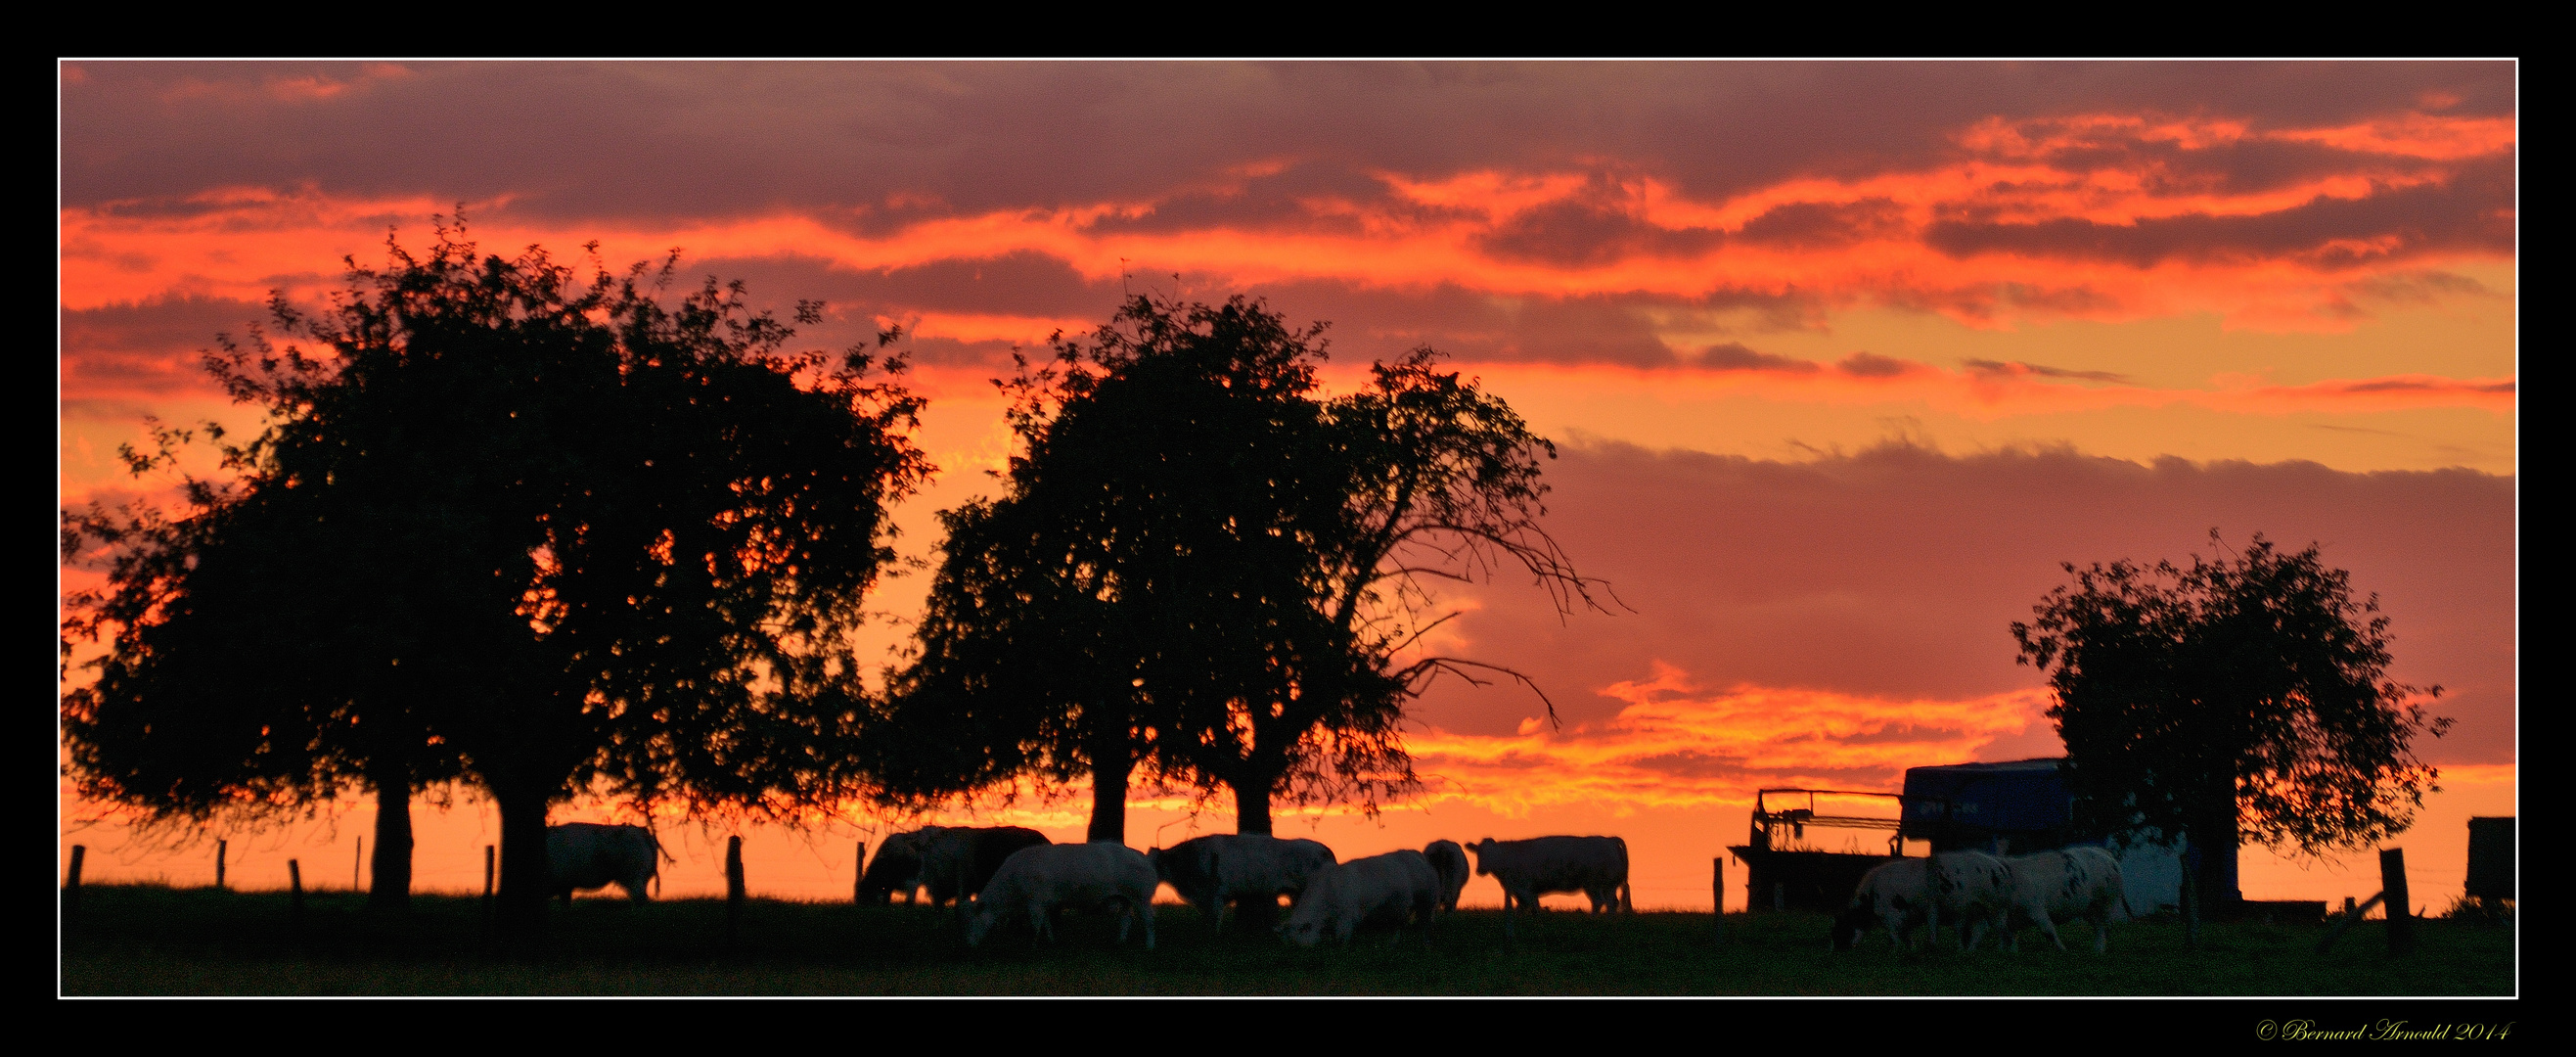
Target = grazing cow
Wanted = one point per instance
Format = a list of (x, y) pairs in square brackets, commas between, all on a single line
[(1396, 887), (1895, 895), (2065, 885), (1038, 880), (1968, 887), (589, 855), (958, 861), (896, 868), (1251, 867), (1450, 861), (1528, 869)]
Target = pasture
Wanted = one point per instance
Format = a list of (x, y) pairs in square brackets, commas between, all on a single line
[(149, 940)]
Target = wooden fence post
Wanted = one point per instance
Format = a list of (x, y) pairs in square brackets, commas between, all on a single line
[(2401, 912), (487, 877), (1717, 891), (295, 890), (859, 879), (71, 884), (220, 848), (733, 870), (2351, 914), (733, 889), (353, 865)]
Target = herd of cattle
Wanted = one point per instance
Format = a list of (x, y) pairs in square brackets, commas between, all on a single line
[(1009, 875), (1013, 875), (1974, 890), (999, 876)]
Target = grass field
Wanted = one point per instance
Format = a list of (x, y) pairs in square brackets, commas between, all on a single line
[(142, 940)]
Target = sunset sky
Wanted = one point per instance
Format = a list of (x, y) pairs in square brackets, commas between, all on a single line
[(1843, 359)]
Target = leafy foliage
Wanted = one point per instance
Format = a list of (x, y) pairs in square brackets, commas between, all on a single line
[(2247, 693), (1204, 566), (582, 539)]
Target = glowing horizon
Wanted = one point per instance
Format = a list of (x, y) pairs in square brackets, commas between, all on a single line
[(1842, 358)]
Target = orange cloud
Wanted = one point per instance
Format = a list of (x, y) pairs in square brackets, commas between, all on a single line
[(1676, 745), (1985, 390), (2103, 216)]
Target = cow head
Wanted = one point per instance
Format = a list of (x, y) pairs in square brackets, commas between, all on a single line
[(1480, 848), (1304, 930), (1851, 926), (979, 924)]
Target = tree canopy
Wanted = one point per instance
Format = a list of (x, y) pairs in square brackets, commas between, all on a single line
[(1203, 566), (2243, 697), (611, 544), (239, 668)]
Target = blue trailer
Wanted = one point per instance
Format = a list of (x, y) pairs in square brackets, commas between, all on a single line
[(2002, 808)]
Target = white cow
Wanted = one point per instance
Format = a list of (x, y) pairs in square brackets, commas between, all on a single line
[(1895, 895), (589, 855), (2065, 885), (1528, 869), (1450, 861), (1210, 871), (1038, 880), (1970, 888), (1396, 887)]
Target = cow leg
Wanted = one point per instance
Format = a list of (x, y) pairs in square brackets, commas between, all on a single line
[(1126, 919), (2048, 928), (1145, 910), (2101, 937)]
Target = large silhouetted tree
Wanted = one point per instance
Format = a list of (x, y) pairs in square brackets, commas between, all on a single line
[(1204, 566), (611, 544), (1418, 477), (2245, 697), (240, 666)]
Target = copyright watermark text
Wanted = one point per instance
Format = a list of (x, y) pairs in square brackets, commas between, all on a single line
[(2379, 1031)]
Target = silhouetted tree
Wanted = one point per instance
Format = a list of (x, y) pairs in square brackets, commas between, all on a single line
[(1418, 477), (1024, 667), (239, 667), (1204, 567), (2244, 697), (609, 544)]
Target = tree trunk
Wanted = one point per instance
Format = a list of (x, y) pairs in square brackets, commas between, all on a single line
[(1254, 916), (2191, 897), (2219, 868), (1252, 803), (522, 911), (389, 887), (1109, 771), (2217, 837)]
